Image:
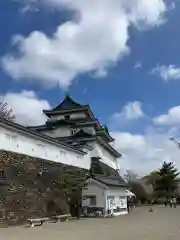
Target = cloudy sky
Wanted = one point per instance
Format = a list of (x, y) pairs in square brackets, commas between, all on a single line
[(120, 56)]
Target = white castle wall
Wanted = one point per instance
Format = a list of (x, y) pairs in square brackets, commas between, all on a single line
[(15, 140)]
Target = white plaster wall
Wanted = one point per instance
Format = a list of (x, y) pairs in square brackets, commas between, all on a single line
[(77, 115), (72, 116), (92, 190), (66, 131), (58, 132), (90, 130), (101, 196), (87, 151), (117, 192), (21, 142), (105, 156)]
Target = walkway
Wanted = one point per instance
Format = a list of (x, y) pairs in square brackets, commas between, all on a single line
[(162, 224)]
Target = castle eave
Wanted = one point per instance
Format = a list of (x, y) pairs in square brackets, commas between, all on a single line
[(92, 139), (36, 134)]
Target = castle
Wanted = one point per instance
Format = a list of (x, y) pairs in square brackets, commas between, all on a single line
[(71, 141)]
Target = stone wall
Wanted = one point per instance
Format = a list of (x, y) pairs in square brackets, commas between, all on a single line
[(28, 187)]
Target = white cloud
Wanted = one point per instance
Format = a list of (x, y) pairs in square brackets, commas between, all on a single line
[(131, 111), (172, 118), (27, 107), (145, 152), (91, 42), (167, 73), (138, 65)]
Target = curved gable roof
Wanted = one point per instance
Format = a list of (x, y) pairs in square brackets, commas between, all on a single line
[(68, 103)]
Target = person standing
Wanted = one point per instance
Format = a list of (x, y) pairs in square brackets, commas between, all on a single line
[(151, 208), (174, 202), (171, 203), (128, 205)]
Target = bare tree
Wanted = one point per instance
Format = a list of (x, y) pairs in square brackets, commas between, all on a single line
[(175, 141), (6, 112), (130, 175)]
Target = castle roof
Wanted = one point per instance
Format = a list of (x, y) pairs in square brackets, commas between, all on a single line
[(82, 136), (117, 181), (52, 124), (67, 105)]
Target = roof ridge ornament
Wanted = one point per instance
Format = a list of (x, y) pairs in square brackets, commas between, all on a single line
[(106, 128), (67, 94)]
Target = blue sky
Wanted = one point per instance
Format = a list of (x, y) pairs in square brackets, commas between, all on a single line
[(121, 57)]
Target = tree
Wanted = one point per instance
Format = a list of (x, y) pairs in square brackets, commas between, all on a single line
[(130, 175), (139, 189), (166, 183), (136, 186), (6, 112), (71, 184), (71, 180), (151, 179)]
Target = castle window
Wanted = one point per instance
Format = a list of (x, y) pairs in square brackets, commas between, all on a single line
[(92, 200), (73, 131), (67, 117), (2, 174)]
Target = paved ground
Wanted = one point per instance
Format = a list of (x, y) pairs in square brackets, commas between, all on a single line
[(162, 224)]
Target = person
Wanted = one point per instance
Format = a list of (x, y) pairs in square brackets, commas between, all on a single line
[(171, 203), (128, 205), (174, 202), (77, 210), (150, 203), (165, 203)]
